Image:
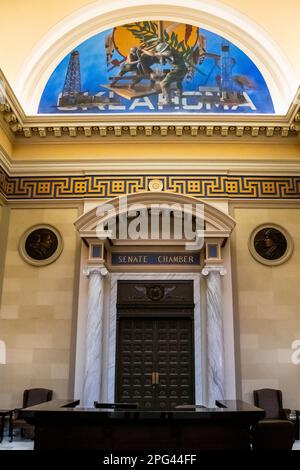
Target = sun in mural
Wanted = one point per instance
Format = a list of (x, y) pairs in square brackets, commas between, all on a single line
[(161, 53)]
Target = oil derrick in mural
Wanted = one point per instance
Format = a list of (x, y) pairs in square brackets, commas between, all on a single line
[(226, 64), (230, 91), (72, 97), (230, 88), (72, 85)]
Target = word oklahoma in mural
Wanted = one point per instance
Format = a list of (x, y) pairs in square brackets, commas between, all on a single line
[(156, 67)]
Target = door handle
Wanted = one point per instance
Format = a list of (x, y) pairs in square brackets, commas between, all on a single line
[(153, 378)]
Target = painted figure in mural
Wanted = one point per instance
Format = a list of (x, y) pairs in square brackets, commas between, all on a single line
[(109, 48), (130, 65), (144, 66), (139, 62), (168, 54)]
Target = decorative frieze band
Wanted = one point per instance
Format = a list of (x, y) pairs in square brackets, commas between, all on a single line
[(109, 186)]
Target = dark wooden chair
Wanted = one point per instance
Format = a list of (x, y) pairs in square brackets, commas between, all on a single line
[(31, 397), (275, 431), (270, 400), (273, 434)]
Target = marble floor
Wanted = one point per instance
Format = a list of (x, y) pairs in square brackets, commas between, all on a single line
[(17, 444), (27, 444), (296, 445)]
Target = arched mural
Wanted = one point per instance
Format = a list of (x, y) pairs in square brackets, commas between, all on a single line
[(156, 67)]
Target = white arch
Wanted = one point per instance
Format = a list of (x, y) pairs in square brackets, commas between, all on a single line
[(218, 224), (280, 77)]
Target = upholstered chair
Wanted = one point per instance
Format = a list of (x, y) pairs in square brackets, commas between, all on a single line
[(31, 397), (270, 400), (273, 434), (275, 431)]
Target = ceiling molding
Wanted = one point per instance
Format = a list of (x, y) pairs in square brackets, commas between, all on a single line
[(169, 128), (205, 166)]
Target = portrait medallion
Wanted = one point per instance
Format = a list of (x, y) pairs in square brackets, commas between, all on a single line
[(41, 245), (270, 244)]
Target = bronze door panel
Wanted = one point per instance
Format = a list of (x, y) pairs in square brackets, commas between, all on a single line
[(174, 362), (155, 362), (135, 362)]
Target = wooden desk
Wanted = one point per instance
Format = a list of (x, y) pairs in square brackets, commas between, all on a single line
[(60, 426), (3, 413)]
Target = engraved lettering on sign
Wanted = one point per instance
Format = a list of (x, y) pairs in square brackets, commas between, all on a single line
[(155, 258)]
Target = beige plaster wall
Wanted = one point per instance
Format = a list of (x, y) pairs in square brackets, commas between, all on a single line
[(268, 305), (155, 152), (27, 22), (36, 315), (37, 319), (4, 219), (5, 143)]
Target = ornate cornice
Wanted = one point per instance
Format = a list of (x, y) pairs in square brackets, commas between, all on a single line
[(296, 123), (167, 127)]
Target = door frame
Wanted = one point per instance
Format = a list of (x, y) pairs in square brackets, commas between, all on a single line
[(198, 338)]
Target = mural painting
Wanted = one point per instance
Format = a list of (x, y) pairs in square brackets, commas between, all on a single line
[(156, 67)]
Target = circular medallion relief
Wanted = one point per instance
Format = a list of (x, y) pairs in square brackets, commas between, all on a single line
[(155, 292), (156, 185), (40, 245), (270, 244)]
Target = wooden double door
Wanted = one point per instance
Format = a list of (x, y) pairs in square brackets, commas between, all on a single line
[(155, 361)]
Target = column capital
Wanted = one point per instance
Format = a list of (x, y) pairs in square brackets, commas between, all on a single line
[(214, 268), (101, 270)]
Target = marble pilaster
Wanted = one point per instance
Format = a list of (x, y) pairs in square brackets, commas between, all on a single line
[(94, 336), (215, 334)]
